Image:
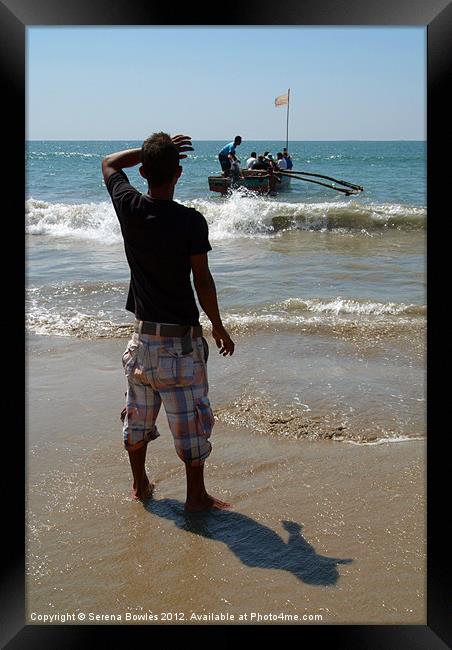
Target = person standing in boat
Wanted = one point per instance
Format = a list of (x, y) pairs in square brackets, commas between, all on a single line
[(287, 158), (227, 155), (272, 169)]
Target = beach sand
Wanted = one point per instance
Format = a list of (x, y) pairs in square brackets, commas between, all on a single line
[(317, 527)]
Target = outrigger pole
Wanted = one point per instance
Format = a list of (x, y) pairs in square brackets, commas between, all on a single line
[(328, 178), (349, 188)]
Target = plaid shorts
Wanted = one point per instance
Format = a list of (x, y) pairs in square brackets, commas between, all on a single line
[(156, 371)]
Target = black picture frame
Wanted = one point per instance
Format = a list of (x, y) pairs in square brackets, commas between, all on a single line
[(15, 17)]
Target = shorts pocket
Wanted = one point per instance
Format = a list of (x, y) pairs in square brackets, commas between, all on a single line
[(129, 358), (204, 417), (175, 369)]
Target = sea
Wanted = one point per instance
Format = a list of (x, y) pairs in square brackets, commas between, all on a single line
[(325, 294)]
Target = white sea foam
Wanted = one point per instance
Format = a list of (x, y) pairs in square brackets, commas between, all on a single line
[(347, 306), (238, 216), (250, 215), (80, 221), (381, 441), (62, 154), (96, 309)]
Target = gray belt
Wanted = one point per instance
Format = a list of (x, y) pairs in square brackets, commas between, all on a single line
[(185, 332)]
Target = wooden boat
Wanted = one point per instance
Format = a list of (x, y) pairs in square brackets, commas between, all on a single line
[(273, 181), (254, 180)]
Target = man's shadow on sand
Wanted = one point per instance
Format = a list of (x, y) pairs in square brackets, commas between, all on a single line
[(254, 544)]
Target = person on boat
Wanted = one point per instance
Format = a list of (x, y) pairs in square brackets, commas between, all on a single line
[(227, 155), (281, 162), (260, 163), (287, 158), (251, 159), (271, 162), (265, 165)]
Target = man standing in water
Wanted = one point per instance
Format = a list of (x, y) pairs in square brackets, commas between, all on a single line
[(166, 359)]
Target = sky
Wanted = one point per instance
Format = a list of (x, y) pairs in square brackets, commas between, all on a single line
[(124, 83)]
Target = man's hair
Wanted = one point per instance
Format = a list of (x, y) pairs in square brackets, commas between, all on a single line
[(253, 154), (160, 158), (279, 154), (237, 137)]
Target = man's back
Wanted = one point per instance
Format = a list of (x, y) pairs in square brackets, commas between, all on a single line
[(159, 237), (227, 149)]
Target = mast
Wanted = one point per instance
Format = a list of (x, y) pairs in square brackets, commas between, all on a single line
[(287, 127)]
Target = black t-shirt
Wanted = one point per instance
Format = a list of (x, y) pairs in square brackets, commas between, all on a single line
[(159, 237)]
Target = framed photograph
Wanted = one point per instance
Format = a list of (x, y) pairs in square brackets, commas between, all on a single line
[(225, 261)]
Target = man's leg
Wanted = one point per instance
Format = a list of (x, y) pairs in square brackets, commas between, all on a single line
[(141, 488), (142, 408), (197, 497), (225, 166), (190, 420)]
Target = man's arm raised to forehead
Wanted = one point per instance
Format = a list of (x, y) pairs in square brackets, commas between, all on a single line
[(114, 162)]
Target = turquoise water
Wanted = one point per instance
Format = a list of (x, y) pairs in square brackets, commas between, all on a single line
[(391, 172)]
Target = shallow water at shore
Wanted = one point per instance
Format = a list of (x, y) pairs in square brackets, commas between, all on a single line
[(316, 526), (295, 385)]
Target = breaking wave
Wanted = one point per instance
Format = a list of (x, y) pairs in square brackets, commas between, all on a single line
[(238, 216)]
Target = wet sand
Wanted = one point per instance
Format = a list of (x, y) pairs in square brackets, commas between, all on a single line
[(317, 527)]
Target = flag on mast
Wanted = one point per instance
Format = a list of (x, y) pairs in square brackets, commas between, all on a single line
[(282, 100)]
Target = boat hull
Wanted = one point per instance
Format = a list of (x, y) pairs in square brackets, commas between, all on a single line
[(253, 182)]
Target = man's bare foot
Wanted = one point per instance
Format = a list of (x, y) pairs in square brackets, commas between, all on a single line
[(145, 491), (205, 503)]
